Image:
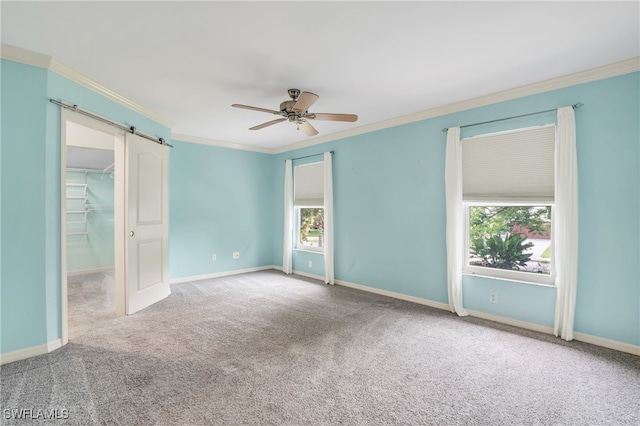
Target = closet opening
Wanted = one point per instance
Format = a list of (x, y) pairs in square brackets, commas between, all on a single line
[(91, 217), (114, 221), (90, 236)]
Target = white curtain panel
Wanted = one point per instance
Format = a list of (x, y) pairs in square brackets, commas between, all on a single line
[(287, 242), (565, 223), (453, 188), (328, 219)]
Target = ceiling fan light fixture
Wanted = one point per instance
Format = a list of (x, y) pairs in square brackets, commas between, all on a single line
[(296, 111)]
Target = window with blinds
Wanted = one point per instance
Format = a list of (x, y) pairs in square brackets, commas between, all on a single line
[(308, 199), (308, 185), (508, 194), (514, 166)]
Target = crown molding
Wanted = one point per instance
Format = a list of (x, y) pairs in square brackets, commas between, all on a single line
[(27, 57), (222, 144), (83, 80), (599, 73), (24, 56)]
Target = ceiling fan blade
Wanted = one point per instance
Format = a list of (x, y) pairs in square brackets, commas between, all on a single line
[(267, 124), (305, 100), (333, 117), (306, 127), (256, 108)]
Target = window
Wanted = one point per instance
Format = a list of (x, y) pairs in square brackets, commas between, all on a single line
[(310, 228), (508, 197), (309, 206), (507, 240)]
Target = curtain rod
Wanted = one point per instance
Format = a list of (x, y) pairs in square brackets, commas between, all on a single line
[(575, 106), (130, 129), (307, 156)]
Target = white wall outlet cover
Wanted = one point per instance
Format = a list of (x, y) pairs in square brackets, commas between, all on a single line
[(310, 264), (236, 255), (213, 257)]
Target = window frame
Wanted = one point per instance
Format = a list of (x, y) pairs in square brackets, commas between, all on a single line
[(503, 274), (298, 217)]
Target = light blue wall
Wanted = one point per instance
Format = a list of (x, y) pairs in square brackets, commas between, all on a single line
[(301, 258), (609, 168), (387, 233), (221, 201), (22, 290), (30, 287), (390, 215)]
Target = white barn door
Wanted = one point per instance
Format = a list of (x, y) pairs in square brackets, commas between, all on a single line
[(147, 223)]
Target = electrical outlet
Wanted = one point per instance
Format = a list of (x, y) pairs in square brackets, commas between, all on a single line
[(213, 258), (236, 255), (493, 297), (310, 264)]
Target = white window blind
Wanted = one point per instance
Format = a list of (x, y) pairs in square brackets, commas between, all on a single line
[(308, 184), (513, 166)]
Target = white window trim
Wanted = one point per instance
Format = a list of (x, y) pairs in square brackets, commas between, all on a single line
[(301, 247), (502, 274)]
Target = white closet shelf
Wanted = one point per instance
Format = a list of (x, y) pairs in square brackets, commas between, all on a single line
[(76, 195)]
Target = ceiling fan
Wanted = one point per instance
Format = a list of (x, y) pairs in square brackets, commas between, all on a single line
[(296, 111)]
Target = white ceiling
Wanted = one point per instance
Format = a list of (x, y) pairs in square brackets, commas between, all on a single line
[(88, 158), (189, 61)]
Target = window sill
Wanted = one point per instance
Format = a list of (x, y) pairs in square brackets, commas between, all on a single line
[(309, 250), (513, 280)]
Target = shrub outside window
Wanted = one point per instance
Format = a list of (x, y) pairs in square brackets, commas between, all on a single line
[(510, 241), (310, 228)]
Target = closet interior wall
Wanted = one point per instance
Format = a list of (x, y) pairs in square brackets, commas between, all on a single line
[(90, 220)]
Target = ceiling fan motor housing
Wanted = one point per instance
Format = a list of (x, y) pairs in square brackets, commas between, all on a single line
[(287, 105)]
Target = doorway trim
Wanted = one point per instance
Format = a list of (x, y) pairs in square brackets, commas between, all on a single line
[(118, 214)]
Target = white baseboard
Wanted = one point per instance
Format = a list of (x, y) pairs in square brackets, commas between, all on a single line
[(308, 275), (511, 321), (419, 300), (25, 353), (302, 273), (388, 293), (90, 271), (582, 337), (220, 274), (607, 343)]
